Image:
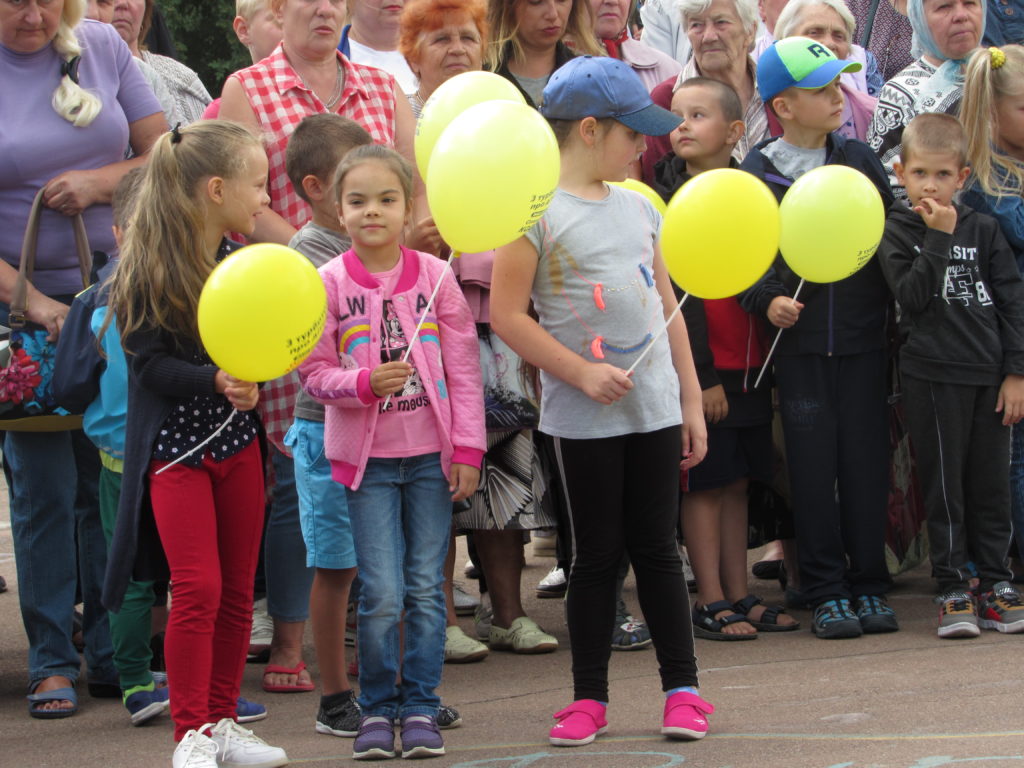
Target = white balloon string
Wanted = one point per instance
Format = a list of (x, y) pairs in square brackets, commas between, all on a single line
[(423, 317), (664, 328), (775, 343), (184, 456)]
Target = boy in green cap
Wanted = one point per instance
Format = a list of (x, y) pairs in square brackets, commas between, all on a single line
[(830, 365)]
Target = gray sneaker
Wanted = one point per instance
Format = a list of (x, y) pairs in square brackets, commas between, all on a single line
[(448, 717), (339, 715), (958, 616)]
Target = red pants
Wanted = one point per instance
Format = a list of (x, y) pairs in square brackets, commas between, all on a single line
[(210, 520)]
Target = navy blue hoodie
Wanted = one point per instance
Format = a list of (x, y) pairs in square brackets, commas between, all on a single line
[(847, 317)]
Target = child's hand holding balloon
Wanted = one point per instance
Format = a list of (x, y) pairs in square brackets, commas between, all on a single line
[(243, 395)]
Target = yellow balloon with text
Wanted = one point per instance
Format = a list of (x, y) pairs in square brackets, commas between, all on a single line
[(832, 221), (261, 312), (492, 175), (453, 97), (646, 191), (720, 234)]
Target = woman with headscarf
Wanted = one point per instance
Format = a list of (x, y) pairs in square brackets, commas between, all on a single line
[(946, 32)]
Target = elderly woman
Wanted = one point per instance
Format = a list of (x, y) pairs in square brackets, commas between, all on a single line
[(947, 31), (75, 119), (721, 34), (611, 26), (132, 20), (371, 38), (528, 40), (440, 39), (831, 24), (305, 75)]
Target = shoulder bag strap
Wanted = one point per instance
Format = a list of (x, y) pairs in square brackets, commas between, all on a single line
[(19, 299)]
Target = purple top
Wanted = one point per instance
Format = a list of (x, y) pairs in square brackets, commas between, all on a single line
[(37, 144)]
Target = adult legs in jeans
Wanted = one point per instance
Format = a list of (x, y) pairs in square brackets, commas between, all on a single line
[(288, 579), (610, 481), (210, 519), (130, 627), (401, 518), (52, 481)]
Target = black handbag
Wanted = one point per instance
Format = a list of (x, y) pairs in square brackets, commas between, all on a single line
[(26, 360)]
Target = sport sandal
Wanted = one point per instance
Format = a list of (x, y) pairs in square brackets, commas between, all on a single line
[(705, 624)]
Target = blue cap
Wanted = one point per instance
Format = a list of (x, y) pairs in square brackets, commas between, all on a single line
[(798, 62), (603, 87)]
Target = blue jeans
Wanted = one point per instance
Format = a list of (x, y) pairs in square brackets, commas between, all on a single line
[(284, 552), (53, 482), (1017, 485), (401, 517)]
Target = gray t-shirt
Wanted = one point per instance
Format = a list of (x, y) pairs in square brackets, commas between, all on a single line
[(593, 253), (793, 161), (319, 245)]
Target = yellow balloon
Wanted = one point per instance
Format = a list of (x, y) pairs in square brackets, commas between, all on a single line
[(832, 221), (720, 234), (453, 97), (646, 191), (262, 311), (492, 175)]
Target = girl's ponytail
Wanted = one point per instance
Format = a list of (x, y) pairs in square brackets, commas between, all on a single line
[(992, 74), (164, 259), (71, 101)]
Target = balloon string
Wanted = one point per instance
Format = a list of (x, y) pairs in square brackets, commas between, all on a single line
[(192, 450), (423, 317), (660, 333), (775, 343)]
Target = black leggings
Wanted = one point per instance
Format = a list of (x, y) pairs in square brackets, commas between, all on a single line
[(623, 496)]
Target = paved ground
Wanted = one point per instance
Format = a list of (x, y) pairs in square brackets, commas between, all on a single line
[(906, 700)]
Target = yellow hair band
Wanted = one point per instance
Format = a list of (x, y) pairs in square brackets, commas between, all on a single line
[(998, 57)]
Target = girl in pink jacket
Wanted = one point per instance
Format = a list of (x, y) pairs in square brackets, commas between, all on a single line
[(404, 433)]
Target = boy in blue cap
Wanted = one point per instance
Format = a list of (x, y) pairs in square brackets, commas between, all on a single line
[(830, 366)]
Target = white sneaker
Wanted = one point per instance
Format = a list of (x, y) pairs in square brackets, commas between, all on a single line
[(241, 748), (465, 603), (196, 750), (262, 633), (552, 585)]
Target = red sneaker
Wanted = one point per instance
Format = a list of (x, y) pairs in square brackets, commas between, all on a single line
[(578, 724), (686, 716)]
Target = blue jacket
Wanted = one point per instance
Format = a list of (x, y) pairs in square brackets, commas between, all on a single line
[(90, 382), (1008, 210), (847, 317)]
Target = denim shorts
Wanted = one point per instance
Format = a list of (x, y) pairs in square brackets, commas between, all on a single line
[(323, 503)]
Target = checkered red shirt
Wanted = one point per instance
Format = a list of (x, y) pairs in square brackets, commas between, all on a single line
[(280, 100)]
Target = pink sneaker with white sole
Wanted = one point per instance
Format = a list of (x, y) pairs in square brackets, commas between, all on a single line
[(578, 724), (686, 716)]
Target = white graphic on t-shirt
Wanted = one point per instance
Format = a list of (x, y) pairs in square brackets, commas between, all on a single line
[(393, 346)]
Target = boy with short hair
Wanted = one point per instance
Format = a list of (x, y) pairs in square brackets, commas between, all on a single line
[(962, 364), (727, 344), (830, 365), (257, 27), (313, 153)]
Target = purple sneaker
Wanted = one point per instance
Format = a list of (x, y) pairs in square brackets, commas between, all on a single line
[(421, 737), (375, 740)]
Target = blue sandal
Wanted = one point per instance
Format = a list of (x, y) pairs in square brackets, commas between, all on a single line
[(705, 624), (37, 700)]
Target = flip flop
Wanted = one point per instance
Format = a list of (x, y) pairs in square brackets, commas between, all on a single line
[(277, 669), (36, 700)]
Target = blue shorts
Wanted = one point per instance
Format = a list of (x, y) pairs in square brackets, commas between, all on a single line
[(323, 504)]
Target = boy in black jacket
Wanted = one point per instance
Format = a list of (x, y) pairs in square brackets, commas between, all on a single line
[(830, 364), (962, 303)]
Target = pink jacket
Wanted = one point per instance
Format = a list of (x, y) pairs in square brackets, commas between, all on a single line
[(446, 355)]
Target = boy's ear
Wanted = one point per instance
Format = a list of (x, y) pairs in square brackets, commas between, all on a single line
[(587, 129), (312, 187), (241, 27), (781, 107), (961, 177), (897, 169), (736, 130)]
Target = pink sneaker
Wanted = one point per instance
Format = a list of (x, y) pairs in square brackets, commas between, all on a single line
[(578, 724), (685, 716)]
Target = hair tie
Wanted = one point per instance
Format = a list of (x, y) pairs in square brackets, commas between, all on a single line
[(69, 68), (998, 58), (176, 134)]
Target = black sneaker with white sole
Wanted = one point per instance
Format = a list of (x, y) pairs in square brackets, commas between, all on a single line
[(339, 715)]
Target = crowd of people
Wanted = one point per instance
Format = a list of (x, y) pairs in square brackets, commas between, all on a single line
[(533, 395)]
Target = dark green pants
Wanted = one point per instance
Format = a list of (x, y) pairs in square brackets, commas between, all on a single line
[(130, 627)]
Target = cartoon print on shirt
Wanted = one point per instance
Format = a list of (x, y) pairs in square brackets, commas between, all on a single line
[(393, 346)]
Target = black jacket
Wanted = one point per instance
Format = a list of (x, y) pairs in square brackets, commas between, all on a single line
[(562, 54), (961, 297), (842, 318)]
